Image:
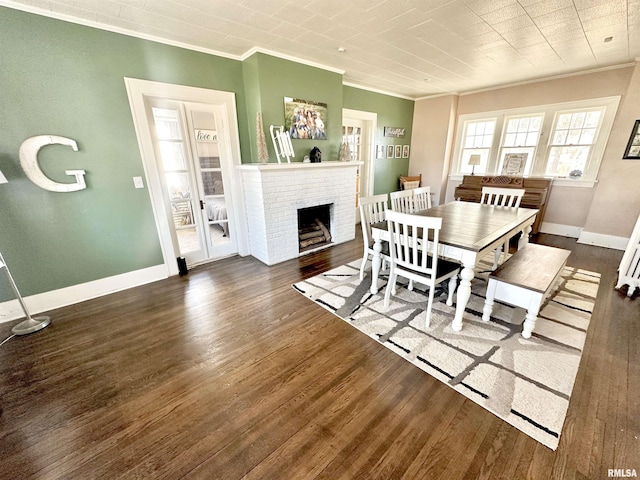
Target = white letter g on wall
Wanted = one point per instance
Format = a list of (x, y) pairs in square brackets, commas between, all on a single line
[(29, 162)]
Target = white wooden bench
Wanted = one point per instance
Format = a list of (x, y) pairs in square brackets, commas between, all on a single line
[(525, 280)]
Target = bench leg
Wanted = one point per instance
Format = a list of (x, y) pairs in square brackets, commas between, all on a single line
[(497, 253), (488, 303), (530, 321), (453, 282)]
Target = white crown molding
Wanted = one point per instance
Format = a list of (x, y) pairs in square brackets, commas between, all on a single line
[(290, 58), (438, 95), (375, 90), (109, 28), (552, 77)]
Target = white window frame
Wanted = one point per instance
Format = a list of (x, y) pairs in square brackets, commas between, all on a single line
[(589, 177)]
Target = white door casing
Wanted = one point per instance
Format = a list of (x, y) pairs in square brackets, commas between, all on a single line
[(137, 90), (369, 123)]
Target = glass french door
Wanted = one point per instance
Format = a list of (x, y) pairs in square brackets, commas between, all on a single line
[(191, 161), (356, 132)]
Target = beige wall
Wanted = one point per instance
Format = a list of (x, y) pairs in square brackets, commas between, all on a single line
[(616, 203), (433, 122), (578, 207)]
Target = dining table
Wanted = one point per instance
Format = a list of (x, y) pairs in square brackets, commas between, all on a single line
[(469, 232)]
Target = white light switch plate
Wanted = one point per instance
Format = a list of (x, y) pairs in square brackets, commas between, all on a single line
[(137, 182)]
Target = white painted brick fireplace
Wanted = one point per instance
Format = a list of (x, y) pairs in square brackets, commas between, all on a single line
[(274, 192)]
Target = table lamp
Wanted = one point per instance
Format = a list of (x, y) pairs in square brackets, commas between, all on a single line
[(473, 161)]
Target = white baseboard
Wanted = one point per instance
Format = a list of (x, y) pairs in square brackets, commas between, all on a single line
[(587, 238), (42, 302), (562, 230), (602, 240)]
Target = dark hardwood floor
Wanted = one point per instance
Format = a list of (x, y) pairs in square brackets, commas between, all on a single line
[(228, 373)]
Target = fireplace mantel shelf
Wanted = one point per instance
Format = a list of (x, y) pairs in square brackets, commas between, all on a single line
[(295, 165)]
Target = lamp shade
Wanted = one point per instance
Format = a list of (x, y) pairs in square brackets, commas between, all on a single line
[(474, 160)]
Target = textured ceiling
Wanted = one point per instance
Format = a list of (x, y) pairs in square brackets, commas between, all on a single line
[(411, 48)]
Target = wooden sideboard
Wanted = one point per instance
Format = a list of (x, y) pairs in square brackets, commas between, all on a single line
[(535, 196)]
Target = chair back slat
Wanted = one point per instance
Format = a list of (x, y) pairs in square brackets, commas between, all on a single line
[(421, 198), (372, 210), (411, 237), (402, 201), (503, 197)]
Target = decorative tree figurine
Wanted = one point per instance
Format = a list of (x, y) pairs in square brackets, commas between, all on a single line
[(345, 152), (263, 153)]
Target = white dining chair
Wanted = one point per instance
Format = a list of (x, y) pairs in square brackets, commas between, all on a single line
[(410, 239), (402, 201), (421, 198), (372, 210), (502, 197)]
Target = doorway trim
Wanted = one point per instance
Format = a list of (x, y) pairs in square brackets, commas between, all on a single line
[(369, 163), (137, 90)]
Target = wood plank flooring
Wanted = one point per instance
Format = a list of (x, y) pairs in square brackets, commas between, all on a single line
[(228, 373)]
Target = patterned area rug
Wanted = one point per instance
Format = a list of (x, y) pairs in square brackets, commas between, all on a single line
[(527, 383)]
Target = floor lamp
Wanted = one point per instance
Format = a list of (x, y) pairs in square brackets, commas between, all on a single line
[(31, 324)]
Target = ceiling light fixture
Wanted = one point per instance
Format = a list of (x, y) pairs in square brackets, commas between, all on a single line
[(607, 39), (341, 49)]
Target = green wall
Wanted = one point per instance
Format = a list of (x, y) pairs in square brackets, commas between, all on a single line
[(271, 79), (392, 112), (65, 79)]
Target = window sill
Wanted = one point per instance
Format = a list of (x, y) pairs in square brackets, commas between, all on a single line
[(557, 181)]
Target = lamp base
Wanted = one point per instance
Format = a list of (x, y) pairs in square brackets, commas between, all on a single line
[(31, 325)]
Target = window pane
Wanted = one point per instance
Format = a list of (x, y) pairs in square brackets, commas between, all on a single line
[(577, 120), (587, 136), (166, 122), (212, 183), (471, 129), (521, 139), (592, 120), (510, 140), (563, 121), (512, 125), (172, 156), (532, 139), (536, 123), (209, 162), (574, 137), (563, 160), (178, 185), (182, 214), (560, 137), (523, 125)]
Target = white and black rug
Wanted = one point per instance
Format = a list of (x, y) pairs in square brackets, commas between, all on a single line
[(527, 383)]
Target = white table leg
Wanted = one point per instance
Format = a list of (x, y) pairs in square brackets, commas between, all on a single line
[(464, 293), (375, 266), (488, 303), (524, 238)]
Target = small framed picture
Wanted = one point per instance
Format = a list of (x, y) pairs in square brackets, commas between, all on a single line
[(379, 151), (405, 151), (389, 151), (632, 152), (398, 151)]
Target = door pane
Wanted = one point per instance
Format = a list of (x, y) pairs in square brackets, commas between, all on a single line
[(211, 178)]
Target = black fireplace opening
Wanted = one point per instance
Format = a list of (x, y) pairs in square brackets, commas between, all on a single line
[(314, 227)]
